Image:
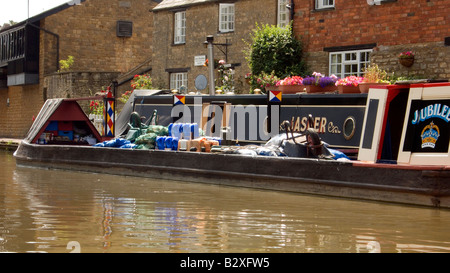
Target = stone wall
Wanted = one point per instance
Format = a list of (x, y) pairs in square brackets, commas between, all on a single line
[(203, 20), (77, 85), (431, 61)]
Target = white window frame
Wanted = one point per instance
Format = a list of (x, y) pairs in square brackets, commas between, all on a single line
[(178, 79), (179, 36), (226, 17), (283, 13), (361, 61), (324, 4)]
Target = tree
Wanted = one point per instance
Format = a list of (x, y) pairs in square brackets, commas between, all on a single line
[(7, 25), (275, 49)]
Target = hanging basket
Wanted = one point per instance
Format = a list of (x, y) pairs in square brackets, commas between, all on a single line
[(408, 62)]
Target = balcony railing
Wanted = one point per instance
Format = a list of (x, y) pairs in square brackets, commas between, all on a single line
[(12, 45)]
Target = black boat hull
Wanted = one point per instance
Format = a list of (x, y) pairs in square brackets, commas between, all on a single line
[(414, 185)]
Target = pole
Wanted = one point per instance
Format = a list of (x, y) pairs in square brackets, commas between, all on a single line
[(210, 40)]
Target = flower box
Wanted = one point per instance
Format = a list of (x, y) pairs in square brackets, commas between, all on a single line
[(348, 89), (365, 86), (319, 89), (272, 88), (291, 89)]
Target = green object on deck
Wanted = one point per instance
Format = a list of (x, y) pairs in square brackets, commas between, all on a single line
[(145, 135)]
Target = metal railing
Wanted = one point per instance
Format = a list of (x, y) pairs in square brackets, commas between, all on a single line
[(12, 45)]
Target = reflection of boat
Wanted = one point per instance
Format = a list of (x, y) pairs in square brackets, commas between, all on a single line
[(391, 164)]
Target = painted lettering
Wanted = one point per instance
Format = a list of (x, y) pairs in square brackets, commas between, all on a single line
[(304, 124), (296, 124), (316, 123), (437, 108), (432, 111), (323, 124), (333, 129)]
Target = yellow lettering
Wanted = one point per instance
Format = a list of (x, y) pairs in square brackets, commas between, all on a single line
[(297, 125), (323, 124), (316, 123), (304, 124)]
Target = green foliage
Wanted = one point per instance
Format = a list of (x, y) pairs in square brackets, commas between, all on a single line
[(373, 73), (274, 48), (66, 64), (142, 82)]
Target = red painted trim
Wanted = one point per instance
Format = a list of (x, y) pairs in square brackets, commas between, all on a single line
[(428, 85)]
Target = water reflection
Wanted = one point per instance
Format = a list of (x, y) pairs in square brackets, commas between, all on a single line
[(43, 210)]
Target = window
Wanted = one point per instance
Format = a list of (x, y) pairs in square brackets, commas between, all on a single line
[(180, 28), (177, 80), (324, 4), (283, 13), (347, 63), (226, 17)]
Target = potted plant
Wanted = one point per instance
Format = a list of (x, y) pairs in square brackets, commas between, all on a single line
[(373, 76), (406, 58), (266, 82), (319, 83), (291, 85), (96, 115), (349, 84)]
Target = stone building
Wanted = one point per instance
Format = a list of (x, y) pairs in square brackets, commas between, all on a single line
[(341, 37), (107, 38), (181, 28)]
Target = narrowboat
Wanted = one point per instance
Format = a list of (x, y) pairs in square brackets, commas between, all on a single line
[(389, 145)]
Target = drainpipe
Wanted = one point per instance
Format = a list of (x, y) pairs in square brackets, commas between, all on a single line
[(57, 41), (292, 8), (210, 40)]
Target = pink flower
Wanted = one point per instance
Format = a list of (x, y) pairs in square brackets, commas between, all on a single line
[(350, 81)]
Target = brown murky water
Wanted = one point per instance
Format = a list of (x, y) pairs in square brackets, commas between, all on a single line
[(60, 211)]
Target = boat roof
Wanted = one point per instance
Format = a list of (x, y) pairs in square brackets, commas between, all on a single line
[(58, 109)]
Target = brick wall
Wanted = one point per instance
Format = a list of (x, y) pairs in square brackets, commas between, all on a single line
[(87, 32), (355, 22), (24, 104), (396, 26), (202, 20)]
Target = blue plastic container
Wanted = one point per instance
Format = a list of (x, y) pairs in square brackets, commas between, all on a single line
[(52, 126), (161, 142), (68, 134)]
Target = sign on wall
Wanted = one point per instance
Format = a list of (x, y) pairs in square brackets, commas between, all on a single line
[(200, 60)]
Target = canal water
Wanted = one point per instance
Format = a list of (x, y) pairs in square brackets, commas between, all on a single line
[(58, 211)]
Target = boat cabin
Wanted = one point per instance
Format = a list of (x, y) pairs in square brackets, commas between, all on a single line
[(407, 124), (62, 121)]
